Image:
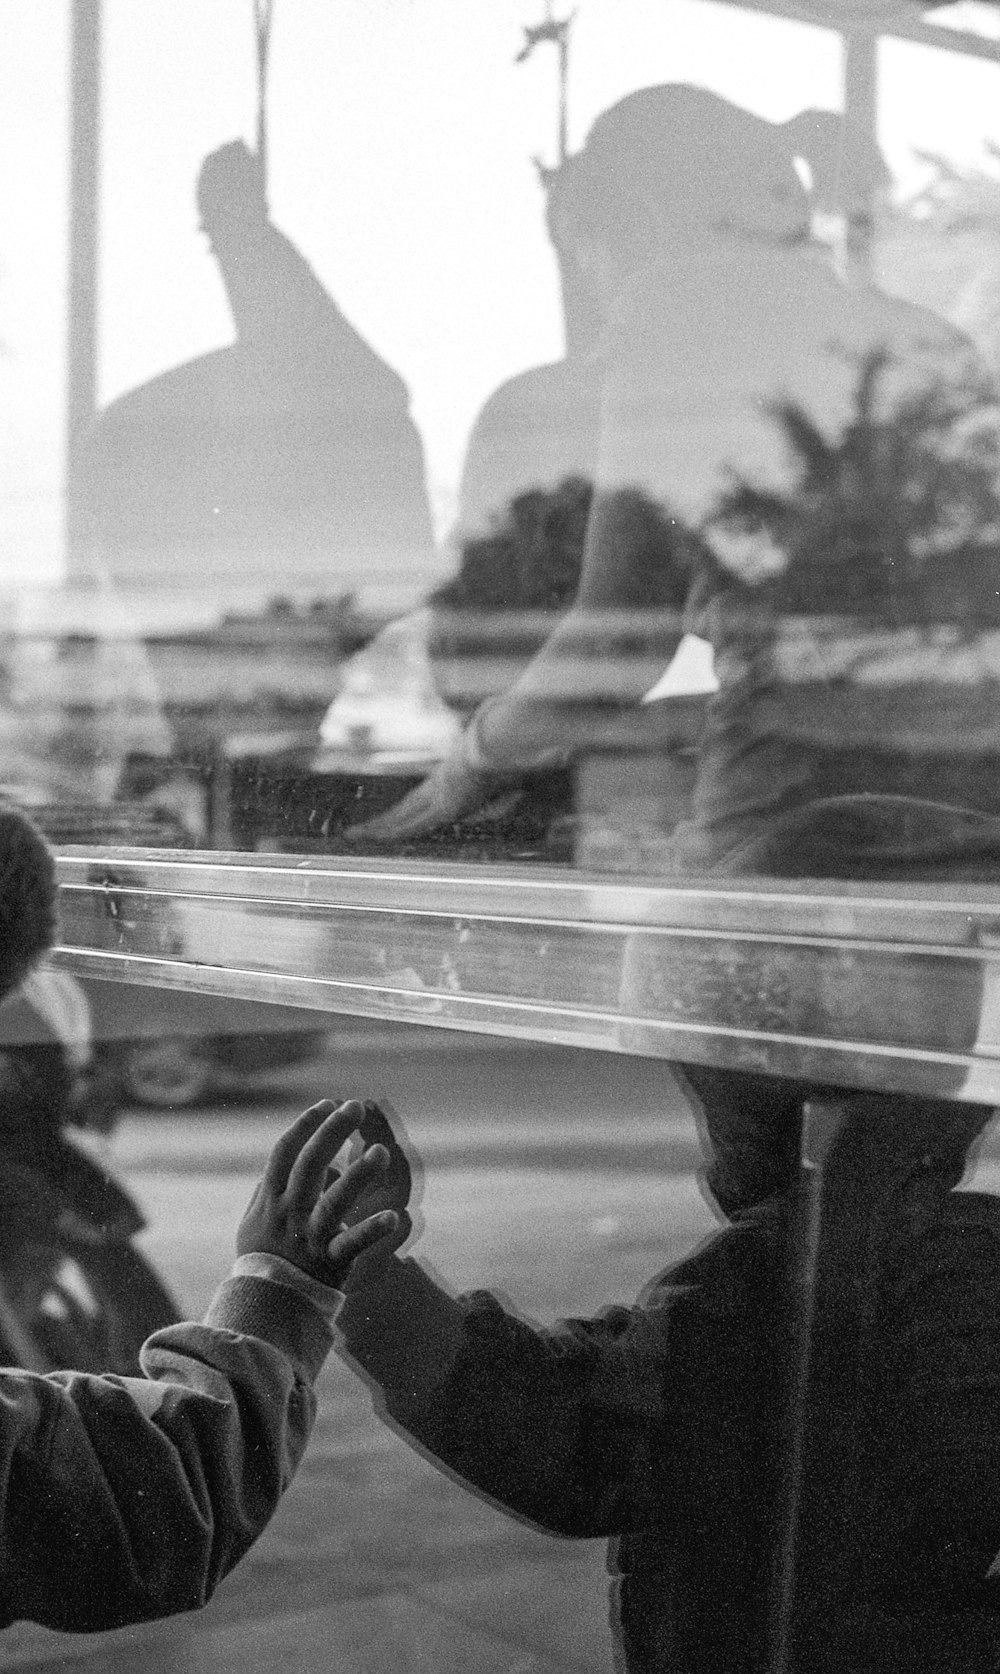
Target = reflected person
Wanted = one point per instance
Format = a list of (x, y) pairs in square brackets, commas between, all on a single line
[(720, 306), (291, 446), (540, 426), (750, 391), (543, 424)]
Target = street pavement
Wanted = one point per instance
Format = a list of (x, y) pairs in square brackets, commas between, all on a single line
[(564, 1180), (561, 1178)]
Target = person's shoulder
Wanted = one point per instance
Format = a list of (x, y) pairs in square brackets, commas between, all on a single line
[(536, 388), (911, 324), (920, 350)]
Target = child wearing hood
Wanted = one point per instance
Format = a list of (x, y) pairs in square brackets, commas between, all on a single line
[(124, 1499)]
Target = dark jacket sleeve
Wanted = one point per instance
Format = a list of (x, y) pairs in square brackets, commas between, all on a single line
[(125, 1499), (557, 1425), (593, 1427)]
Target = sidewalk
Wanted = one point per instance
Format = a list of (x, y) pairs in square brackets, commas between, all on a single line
[(214, 1142), (531, 1618)]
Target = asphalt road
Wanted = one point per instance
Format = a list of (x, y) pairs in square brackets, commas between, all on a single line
[(564, 1179)]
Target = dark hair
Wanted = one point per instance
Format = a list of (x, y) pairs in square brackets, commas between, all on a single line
[(230, 186), (28, 917)]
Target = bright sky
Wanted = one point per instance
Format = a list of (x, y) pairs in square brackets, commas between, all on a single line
[(401, 139)]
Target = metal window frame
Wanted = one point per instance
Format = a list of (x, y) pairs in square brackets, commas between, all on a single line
[(896, 988), (912, 29)]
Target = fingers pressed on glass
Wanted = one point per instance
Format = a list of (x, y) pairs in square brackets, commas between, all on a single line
[(309, 1170), (338, 1199), (352, 1241), (287, 1149), (376, 1129)]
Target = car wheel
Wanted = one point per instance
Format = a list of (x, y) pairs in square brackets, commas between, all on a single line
[(167, 1074)]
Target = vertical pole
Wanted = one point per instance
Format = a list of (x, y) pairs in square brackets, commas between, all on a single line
[(822, 1122), (861, 153), (562, 146), (81, 399), (263, 14)]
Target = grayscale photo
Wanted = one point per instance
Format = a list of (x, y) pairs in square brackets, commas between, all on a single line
[(500, 837)]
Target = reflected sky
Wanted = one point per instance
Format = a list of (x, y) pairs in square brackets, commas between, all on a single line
[(401, 139)]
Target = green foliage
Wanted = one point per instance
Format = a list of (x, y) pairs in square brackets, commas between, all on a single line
[(885, 516)]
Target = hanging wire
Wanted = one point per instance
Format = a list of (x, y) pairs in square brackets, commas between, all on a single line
[(555, 32), (263, 14)]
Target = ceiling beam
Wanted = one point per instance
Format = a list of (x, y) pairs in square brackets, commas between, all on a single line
[(925, 34)]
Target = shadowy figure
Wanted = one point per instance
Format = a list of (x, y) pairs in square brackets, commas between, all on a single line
[(289, 453), (543, 424), (661, 1426), (540, 426), (831, 455), (695, 229)]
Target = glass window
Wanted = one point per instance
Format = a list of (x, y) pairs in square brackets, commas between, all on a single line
[(336, 420), (451, 457), (499, 517)]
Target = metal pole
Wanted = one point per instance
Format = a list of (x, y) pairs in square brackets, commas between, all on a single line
[(563, 134), (555, 31), (81, 400), (860, 165), (263, 16)]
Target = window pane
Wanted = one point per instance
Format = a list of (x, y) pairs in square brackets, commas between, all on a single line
[(501, 508)]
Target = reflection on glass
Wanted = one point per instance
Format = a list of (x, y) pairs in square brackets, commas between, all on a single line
[(821, 461), (283, 451), (688, 565), (727, 555), (638, 515)]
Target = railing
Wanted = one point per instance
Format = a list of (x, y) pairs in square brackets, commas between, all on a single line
[(893, 987)]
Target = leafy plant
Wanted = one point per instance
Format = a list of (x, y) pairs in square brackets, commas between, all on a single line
[(882, 519)]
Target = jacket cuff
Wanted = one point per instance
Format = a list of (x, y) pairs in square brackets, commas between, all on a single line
[(261, 1264), (403, 1331), (255, 1307)]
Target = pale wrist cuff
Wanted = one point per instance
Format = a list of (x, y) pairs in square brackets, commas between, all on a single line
[(260, 1264)]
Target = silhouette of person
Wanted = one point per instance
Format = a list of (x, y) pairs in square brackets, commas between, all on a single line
[(543, 424), (290, 452), (694, 227), (531, 458), (728, 337)]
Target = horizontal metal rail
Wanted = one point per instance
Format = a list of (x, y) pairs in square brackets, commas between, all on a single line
[(895, 987), (901, 28)]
